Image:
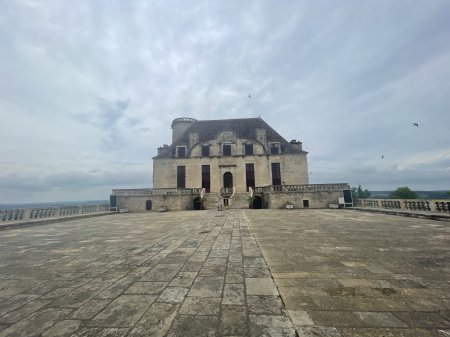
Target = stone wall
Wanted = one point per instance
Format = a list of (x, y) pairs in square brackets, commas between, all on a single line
[(294, 170), (275, 197), (137, 204), (322, 199)]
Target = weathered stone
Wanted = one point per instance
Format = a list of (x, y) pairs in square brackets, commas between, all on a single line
[(201, 306), (233, 321), (274, 326), (90, 309), (260, 286), (37, 323), (150, 288), (124, 311), (157, 320), (264, 305), (173, 295), (62, 329), (207, 287), (194, 326)]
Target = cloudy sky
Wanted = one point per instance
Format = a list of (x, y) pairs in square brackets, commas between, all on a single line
[(88, 89)]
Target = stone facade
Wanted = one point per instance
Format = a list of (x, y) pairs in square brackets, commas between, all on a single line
[(225, 158), (239, 153)]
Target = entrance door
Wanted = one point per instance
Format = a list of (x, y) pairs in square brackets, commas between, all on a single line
[(227, 180), (148, 205)]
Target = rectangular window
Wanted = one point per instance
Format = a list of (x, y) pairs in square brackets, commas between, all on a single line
[(249, 149), (250, 175), (276, 174), (206, 178), (205, 151), (275, 148), (181, 151), (181, 176), (226, 149)]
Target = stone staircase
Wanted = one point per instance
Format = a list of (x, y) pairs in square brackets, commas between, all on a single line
[(239, 201)]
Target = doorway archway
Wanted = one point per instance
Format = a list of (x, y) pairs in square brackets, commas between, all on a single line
[(228, 180), (257, 202), (197, 204)]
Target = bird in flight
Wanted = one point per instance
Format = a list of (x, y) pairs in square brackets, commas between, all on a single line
[(415, 124), (382, 156), (249, 96)]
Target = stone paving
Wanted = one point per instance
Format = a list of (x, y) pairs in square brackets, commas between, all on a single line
[(348, 273), (339, 273), (155, 274)]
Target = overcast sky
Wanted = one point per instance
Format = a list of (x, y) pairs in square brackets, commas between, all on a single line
[(88, 89)]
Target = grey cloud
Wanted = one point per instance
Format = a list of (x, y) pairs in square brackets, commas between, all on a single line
[(345, 78)]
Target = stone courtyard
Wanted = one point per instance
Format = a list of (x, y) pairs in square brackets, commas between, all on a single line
[(231, 273)]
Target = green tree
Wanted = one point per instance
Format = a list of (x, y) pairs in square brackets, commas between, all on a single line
[(359, 193), (403, 193)]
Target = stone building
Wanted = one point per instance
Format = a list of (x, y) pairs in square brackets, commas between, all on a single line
[(230, 153), (235, 163)]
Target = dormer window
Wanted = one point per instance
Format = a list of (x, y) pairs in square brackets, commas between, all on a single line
[(248, 149), (226, 149), (181, 151), (205, 151), (275, 148)]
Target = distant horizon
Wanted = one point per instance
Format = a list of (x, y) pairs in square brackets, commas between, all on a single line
[(91, 201)]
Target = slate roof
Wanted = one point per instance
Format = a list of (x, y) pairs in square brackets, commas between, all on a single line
[(243, 128)]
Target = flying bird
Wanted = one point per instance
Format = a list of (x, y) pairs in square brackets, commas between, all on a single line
[(415, 124), (249, 96), (382, 156)]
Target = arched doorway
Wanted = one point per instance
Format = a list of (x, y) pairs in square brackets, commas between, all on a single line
[(148, 205), (257, 202), (228, 180), (197, 204)]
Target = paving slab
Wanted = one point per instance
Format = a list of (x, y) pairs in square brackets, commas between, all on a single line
[(232, 273), (347, 273), (176, 274)]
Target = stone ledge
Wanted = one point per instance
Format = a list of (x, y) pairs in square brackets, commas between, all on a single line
[(29, 223)]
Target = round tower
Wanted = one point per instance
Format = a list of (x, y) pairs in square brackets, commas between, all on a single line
[(179, 125)]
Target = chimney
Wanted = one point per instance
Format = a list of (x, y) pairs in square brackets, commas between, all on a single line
[(296, 144), (161, 149)]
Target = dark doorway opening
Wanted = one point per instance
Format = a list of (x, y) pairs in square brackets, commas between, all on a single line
[(148, 205), (257, 202), (197, 204), (225, 201), (305, 203), (227, 180)]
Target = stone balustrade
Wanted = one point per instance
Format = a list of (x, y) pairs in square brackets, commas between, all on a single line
[(143, 192), (304, 188), (24, 214), (442, 206)]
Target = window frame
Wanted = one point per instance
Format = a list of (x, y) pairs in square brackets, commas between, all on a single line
[(204, 147), (251, 152), (276, 174), (228, 146), (276, 146), (181, 176), (184, 149)]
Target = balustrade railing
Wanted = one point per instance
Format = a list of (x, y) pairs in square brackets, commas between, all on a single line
[(23, 214), (303, 188), (142, 192), (424, 205)]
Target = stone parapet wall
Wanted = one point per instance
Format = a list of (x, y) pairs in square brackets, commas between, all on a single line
[(426, 205), (25, 214), (137, 204), (155, 191), (323, 199)]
